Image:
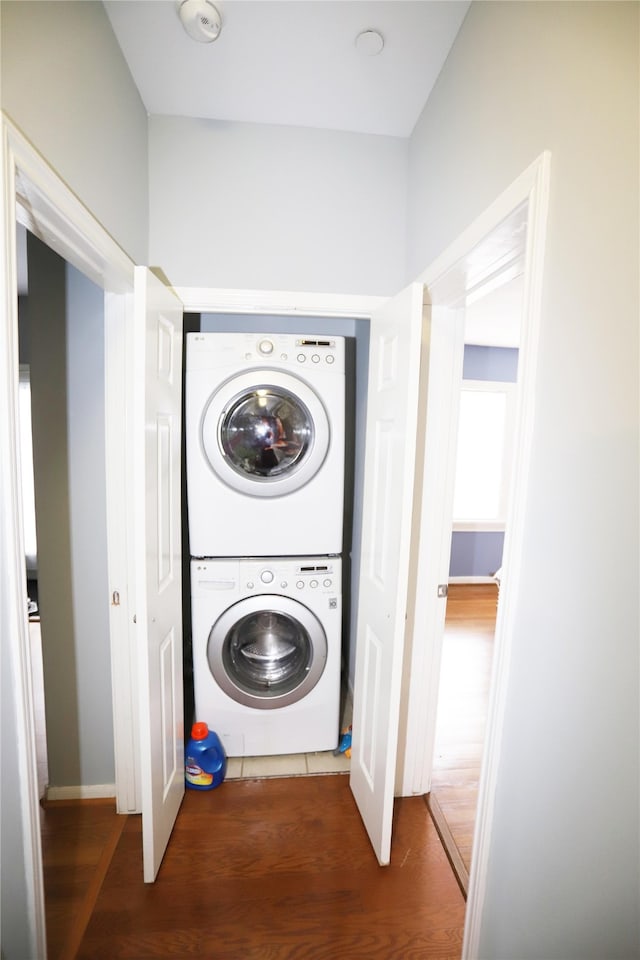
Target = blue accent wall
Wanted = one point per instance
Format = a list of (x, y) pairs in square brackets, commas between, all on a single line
[(475, 554), (490, 363)]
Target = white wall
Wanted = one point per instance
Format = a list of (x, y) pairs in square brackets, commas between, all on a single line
[(276, 208), (521, 78), (65, 84)]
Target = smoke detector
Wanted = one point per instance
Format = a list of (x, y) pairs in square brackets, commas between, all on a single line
[(370, 43), (201, 20)]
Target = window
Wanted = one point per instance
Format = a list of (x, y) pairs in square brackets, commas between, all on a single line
[(484, 455)]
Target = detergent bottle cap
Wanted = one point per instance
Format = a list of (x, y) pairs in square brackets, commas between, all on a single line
[(199, 731)]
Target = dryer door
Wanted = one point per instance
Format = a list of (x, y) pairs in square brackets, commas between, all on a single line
[(265, 433), (267, 651)]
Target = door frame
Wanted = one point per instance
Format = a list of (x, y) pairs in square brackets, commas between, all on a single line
[(447, 283), (43, 203), (35, 196)]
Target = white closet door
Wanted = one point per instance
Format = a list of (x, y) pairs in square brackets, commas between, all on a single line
[(158, 375), (392, 410)]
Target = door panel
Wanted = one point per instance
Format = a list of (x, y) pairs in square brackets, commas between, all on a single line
[(158, 352), (441, 379), (392, 407)]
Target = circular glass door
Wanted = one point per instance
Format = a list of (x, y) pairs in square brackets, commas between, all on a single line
[(265, 433), (267, 651)]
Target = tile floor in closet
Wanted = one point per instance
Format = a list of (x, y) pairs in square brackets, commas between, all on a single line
[(295, 764)]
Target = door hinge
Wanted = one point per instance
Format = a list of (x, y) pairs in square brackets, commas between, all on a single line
[(115, 599), (443, 589)]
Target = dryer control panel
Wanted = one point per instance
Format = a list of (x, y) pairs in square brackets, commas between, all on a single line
[(276, 350)]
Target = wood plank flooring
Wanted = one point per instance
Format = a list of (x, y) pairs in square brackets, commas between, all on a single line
[(282, 868), (78, 841), (462, 712), (271, 869)]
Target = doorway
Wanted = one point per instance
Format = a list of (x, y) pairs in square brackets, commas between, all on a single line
[(465, 677), (36, 198), (61, 325), (483, 469), (354, 332), (61, 341), (508, 235)]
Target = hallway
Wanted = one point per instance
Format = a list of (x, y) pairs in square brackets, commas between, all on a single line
[(271, 869), (465, 680)]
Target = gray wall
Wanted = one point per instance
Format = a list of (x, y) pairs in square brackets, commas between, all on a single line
[(523, 77), (66, 86), (66, 349), (276, 208), (88, 518)]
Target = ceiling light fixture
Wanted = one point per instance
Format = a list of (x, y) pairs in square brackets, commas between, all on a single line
[(369, 43), (201, 20)]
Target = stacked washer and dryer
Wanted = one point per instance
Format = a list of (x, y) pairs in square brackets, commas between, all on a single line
[(265, 485)]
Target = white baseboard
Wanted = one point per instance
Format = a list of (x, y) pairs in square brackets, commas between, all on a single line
[(95, 791), (472, 580)]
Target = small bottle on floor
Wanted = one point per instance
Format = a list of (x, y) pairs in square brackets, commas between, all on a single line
[(205, 759)]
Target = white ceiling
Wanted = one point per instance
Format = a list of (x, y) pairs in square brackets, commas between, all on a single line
[(494, 320), (291, 62), (295, 62)]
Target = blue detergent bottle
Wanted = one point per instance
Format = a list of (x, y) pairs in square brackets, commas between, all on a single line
[(205, 760)]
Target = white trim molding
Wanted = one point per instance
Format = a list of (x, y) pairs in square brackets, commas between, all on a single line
[(447, 287), (13, 609), (479, 526), (532, 188), (49, 209), (97, 791), (34, 195), (118, 333), (286, 303), (473, 580)]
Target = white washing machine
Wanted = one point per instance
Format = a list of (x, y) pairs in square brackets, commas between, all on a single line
[(265, 444), (266, 653)]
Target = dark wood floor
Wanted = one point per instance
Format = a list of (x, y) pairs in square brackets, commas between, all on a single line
[(277, 869), (78, 841), (467, 657)]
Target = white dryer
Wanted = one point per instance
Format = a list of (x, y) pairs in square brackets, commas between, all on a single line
[(267, 652), (265, 444)]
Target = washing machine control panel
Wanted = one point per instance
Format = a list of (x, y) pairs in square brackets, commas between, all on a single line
[(293, 578)]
